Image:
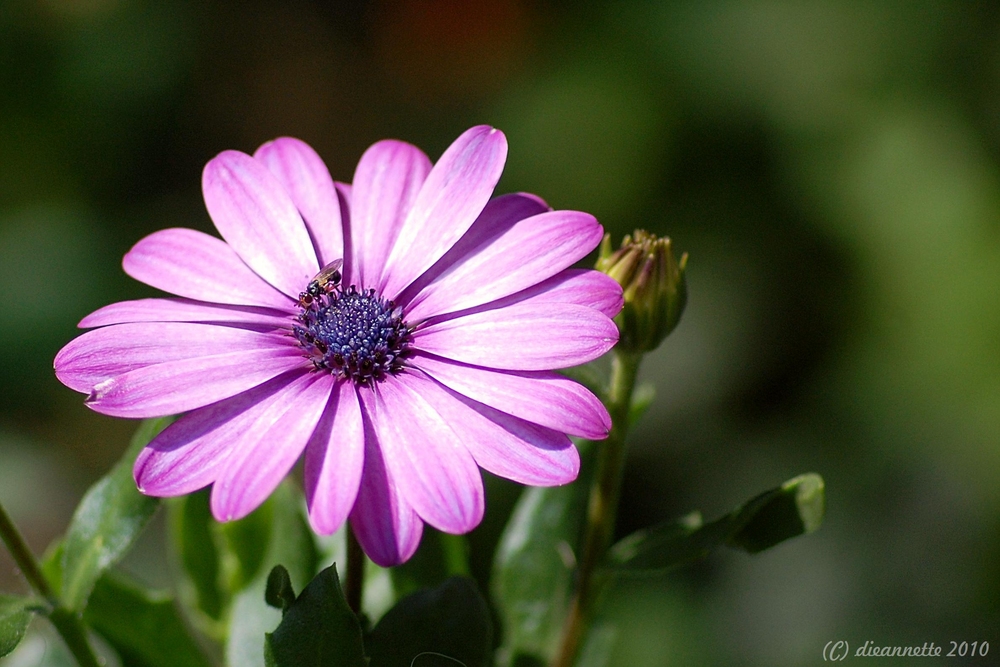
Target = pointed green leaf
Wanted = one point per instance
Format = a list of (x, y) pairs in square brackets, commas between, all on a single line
[(794, 508), (533, 568), (15, 615), (279, 592), (52, 564), (448, 625), (318, 630), (145, 627), (107, 522), (282, 535)]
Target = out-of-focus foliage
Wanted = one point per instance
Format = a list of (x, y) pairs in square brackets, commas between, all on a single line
[(832, 168)]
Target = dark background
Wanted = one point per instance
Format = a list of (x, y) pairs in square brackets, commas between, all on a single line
[(832, 168)]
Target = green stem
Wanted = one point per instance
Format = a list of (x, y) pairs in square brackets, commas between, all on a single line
[(24, 558), (354, 586), (68, 624), (72, 630), (602, 506)]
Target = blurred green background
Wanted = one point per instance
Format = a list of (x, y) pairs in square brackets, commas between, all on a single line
[(833, 169)]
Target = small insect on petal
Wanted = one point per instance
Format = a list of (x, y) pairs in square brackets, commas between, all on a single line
[(325, 282)]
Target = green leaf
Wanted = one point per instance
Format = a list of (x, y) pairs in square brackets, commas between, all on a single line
[(279, 592), (192, 533), (448, 625), (145, 627), (794, 508), (15, 615), (533, 568), (318, 630), (52, 564), (282, 535), (107, 522)]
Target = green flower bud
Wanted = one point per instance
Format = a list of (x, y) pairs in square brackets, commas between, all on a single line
[(654, 285)]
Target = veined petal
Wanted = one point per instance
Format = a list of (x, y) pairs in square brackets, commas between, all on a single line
[(183, 310), (386, 182), (178, 386), (256, 216), (335, 457), (584, 287), (383, 521), (307, 180), (99, 355), (523, 336), (452, 197), (530, 251), (193, 264), (500, 214), (503, 444), (542, 397), (426, 458), (253, 470), (186, 455)]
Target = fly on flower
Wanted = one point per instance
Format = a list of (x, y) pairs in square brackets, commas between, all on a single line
[(431, 355), (325, 282)]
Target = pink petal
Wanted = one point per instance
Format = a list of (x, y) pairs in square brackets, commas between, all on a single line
[(542, 397), (505, 445), (584, 287), (386, 182), (452, 197), (528, 252), (256, 216), (178, 386), (253, 470), (307, 180), (525, 336), (344, 196), (427, 460), (102, 354), (183, 310), (186, 455), (500, 214), (334, 459), (383, 521), (190, 263)]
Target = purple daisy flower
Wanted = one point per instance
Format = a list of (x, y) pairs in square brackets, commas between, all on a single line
[(401, 331)]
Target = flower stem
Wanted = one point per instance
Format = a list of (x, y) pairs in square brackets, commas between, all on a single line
[(24, 558), (66, 622), (602, 505), (355, 572)]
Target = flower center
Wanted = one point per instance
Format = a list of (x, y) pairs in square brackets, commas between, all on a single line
[(353, 334)]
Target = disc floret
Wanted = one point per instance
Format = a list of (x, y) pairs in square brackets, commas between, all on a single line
[(353, 334)]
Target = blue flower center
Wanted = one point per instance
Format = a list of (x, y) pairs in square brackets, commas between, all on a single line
[(353, 334)]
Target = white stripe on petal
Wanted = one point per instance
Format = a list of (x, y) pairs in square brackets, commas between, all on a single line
[(334, 461), (427, 460), (523, 336), (253, 470), (193, 264), (256, 216)]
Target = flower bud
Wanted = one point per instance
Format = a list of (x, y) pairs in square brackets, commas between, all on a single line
[(654, 286)]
